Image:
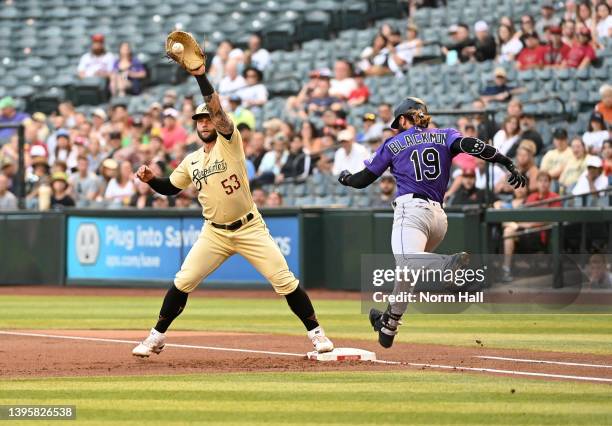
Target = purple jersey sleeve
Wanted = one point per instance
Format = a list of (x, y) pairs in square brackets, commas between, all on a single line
[(452, 136), (380, 160)]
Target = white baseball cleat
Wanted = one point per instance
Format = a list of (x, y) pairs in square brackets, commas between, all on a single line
[(320, 341), (153, 344)]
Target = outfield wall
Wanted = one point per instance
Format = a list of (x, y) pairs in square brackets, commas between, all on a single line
[(323, 247)]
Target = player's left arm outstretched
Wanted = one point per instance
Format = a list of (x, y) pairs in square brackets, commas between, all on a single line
[(221, 121), (467, 145)]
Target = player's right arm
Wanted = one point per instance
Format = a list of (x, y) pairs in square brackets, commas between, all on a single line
[(223, 124), (479, 149), (161, 185)]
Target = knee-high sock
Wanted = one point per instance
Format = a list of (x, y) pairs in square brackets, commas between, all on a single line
[(173, 305), (300, 304)]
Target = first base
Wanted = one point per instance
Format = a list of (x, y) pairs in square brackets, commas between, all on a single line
[(343, 354)]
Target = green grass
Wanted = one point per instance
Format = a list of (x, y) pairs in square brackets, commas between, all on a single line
[(341, 318), (410, 397)]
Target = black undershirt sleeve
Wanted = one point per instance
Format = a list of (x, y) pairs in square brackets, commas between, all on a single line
[(361, 179), (163, 186), (479, 149)]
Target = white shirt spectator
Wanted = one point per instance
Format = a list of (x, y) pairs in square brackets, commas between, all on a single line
[(8, 201), (116, 193), (582, 185), (260, 59), (228, 87), (497, 174), (502, 142), (595, 140), (603, 27), (406, 51), (269, 163), (509, 50), (342, 88), (91, 64), (353, 161), (251, 94)]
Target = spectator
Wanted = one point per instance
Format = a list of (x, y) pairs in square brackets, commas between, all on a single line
[(387, 192), (325, 164), (9, 115), (531, 55), (297, 165), (259, 197), (596, 134), (461, 41), (603, 19), (547, 17), (172, 133), (184, 199), (485, 128), (256, 56), (604, 106), (606, 153), (515, 108), (143, 197), (120, 189), (592, 180), (273, 161), (599, 276), (555, 160), (568, 29), (528, 131), (574, 167), (343, 83), (527, 27), (508, 135), (256, 149), (500, 91), (97, 62), (372, 129), (274, 199), (161, 201), (232, 82), (570, 10), (510, 229), (375, 58), (468, 193), (361, 94), (8, 201), (225, 53), (320, 101), (554, 52), (350, 156), (484, 48), (60, 196), (525, 162), (509, 46), (169, 99), (385, 112), (240, 114), (254, 94), (401, 54), (543, 191), (85, 184), (128, 73), (584, 13), (310, 137), (581, 53), (64, 150)]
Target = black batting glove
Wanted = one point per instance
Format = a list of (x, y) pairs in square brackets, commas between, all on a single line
[(516, 179), (344, 175)]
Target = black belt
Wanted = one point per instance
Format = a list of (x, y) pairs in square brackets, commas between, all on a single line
[(234, 226), (419, 196)]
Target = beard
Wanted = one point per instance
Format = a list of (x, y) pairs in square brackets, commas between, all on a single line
[(211, 138)]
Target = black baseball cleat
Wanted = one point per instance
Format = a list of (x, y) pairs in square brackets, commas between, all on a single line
[(386, 325)]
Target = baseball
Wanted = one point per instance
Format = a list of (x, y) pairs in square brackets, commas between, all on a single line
[(177, 48)]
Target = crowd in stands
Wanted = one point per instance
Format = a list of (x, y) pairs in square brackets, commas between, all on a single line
[(88, 160)]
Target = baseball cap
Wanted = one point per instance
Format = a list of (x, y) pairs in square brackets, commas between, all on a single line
[(594, 161), (595, 116), (39, 117), (114, 135), (200, 111), (62, 133), (547, 4), (584, 31), (171, 112), (109, 163), (369, 116), (387, 176), (80, 140), (7, 102), (453, 29), (155, 105), (38, 151), (345, 135), (554, 29), (500, 72), (481, 26), (340, 122), (98, 38), (235, 98), (99, 112), (560, 133), (468, 172), (59, 176)]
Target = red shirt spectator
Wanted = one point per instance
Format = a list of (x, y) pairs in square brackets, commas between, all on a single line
[(581, 54), (531, 56), (172, 133), (554, 52), (534, 197)]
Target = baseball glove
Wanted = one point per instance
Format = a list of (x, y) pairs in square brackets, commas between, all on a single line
[(191, 56)]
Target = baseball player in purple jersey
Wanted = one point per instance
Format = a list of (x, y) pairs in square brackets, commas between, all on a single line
[(420, 160)]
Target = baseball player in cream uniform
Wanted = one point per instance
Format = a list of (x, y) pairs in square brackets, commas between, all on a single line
[(232, 222)]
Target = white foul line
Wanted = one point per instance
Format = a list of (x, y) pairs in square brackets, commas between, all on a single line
[(539, 361), (215, 348)]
